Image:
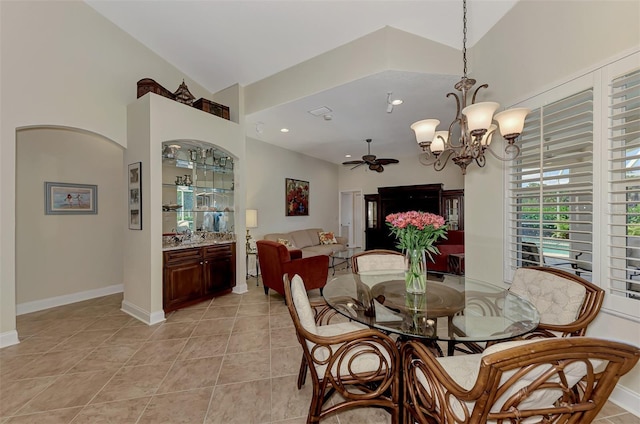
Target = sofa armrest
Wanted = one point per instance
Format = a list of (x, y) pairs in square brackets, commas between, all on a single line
[(342, 240), (295, 254)]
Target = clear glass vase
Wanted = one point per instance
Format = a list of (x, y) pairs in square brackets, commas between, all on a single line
[(415, 275)]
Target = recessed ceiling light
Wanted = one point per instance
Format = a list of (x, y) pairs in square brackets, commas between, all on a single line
[(284, 130), (397, 102), (347, 156)]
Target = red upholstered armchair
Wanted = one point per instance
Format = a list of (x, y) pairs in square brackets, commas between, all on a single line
[(453, 244), (276, 260)]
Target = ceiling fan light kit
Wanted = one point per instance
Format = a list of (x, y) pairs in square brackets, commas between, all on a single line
[(392, 103), (373, 163), (475, 123)]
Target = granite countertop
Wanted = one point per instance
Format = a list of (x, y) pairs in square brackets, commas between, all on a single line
[(174, 242)]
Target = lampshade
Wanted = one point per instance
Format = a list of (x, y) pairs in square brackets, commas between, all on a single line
[(440, 140), (425, 130), (480, 115), (251, 218), (511, 121)]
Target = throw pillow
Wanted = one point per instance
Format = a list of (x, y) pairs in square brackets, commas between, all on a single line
[(327, 237), (285, 242)]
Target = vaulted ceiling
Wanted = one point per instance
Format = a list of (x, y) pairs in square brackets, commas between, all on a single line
[(221, 43)]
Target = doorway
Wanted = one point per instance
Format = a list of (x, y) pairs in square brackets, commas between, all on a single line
[(351, 217)]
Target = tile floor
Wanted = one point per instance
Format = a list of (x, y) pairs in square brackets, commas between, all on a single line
[(231, 360)]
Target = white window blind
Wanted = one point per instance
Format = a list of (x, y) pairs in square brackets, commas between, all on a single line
[(624, 185), (551, 188)]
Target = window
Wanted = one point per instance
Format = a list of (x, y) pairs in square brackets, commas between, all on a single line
[(551, 185), (574, 193), (624, 184)]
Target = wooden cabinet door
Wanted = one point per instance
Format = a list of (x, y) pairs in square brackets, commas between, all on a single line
[(182, 279), (218, 268), (182, 283)]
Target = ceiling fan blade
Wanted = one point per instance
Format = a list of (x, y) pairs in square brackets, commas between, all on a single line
[(353, 162), (359, 164), (387, 161), (375, 167), (380, 169)]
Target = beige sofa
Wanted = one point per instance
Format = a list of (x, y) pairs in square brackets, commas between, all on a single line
[(308, 241)]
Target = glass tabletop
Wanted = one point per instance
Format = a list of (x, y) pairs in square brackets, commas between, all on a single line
[(454, 308), (346, 253)]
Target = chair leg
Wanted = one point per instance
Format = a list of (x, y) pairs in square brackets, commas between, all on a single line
[(266, 290), (302, 375)]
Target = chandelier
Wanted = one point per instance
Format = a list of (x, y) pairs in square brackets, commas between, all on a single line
[(475, 122)]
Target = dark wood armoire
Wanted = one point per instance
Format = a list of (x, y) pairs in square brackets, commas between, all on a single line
[(425, 198)]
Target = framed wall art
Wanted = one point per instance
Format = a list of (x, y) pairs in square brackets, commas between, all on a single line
[(70, 199), (134, 178), (296, 197)]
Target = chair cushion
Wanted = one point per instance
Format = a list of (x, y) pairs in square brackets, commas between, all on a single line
[(540, 398), (557, 299), (355, 360), (381, 262), (302, 305), (464, 371)]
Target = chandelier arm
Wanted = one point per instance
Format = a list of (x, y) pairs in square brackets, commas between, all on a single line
[(512, 151), (443, 159), (481, 161), (458, 108), (427, 158), (451, 144), (475, 93)]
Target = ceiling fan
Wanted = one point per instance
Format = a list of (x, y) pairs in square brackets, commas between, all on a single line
[(369, 159)]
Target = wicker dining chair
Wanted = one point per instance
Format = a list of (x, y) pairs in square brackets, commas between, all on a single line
[(377, 260), (567, 303), (358, 363), (560, 380)]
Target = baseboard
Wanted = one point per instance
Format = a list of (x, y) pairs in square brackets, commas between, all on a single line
[(52, 302), (240, 287), (9, 338), (142, 315), (626, 399)]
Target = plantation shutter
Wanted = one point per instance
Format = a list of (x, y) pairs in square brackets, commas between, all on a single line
[(624, 184), (551, 188)]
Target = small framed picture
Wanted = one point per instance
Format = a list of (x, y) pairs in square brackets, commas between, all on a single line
[(134, 178), (70, 199)]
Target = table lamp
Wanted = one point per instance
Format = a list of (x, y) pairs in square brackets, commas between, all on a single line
[(251, 220)]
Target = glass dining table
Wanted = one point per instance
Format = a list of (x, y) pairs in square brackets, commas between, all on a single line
[(457, 310)]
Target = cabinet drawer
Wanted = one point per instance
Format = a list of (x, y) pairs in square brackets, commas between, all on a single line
[(218, 250), (181, 255)]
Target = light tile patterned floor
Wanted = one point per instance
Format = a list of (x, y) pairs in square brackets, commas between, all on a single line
[(231, 360)]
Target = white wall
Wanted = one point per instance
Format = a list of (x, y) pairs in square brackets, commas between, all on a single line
[(536, 46), (267, 168), (52, 258), (64, 65)]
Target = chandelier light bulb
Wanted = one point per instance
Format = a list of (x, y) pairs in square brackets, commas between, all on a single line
[(479, 116), (425, 130), (511, 121)]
